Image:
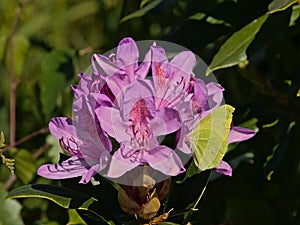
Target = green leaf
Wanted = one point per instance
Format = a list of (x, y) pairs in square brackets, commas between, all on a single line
[(191, 171), (81, 10), (198, 16), (74, 218), (66, 198), (250, 124), (25, 167), (10, 210), (55, 149), (209, 137), (52, 80), (280, 5), (59, 195), (298, 93), (2, 139), (215, 21), (20, 48), (295, 15), (3, 46), (142, 11), (233, 51), (272, 124)]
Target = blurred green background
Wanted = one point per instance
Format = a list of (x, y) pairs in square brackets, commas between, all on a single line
[(253, 46)]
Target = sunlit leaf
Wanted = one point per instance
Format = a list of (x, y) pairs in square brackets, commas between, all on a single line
[(198, 16), (74, 218), (233, 51), (2, 139), (25, 166), (10, 210), (272, 124), (280, 5), (295, 15), (209, 137), (215, 21)]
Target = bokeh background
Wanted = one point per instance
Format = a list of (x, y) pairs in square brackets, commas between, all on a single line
[(253, 46)]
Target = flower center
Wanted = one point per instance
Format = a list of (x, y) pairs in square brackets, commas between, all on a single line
[(70, 146), (140, 116), (171, 89)]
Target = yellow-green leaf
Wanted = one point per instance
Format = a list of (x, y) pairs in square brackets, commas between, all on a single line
[(2, 139), (74, 218), (209, 137), (295, 15)]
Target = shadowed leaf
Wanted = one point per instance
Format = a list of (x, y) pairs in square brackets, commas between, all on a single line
[(280, 5)]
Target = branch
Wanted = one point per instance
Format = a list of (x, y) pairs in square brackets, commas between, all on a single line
[(266, 87), (13, 81), (26, 138)]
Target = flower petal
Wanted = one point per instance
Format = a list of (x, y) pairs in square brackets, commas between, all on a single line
[(165, 160), (112, 123), (144, 67), (238, 134), (104, 66), (224, 168), (184, 63), (181, 137), (166, 121), (127, 57), (199, 99), (72, 167), (170, 80), (93, 142), (121, 163), (87, 176), (215, 95), (61, 127), (117, 84), (134, 93), (158, 54)]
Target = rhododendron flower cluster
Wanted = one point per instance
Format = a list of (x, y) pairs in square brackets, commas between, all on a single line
[(123, 108)]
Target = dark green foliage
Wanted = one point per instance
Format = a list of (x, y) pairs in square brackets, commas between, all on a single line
[(253, 48)]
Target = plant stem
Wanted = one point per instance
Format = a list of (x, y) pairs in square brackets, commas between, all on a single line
[(265, 87), (193, 209), (13, 80), (26, 138)]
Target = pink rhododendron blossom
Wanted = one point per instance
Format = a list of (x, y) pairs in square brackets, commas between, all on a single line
[(120, 102)]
